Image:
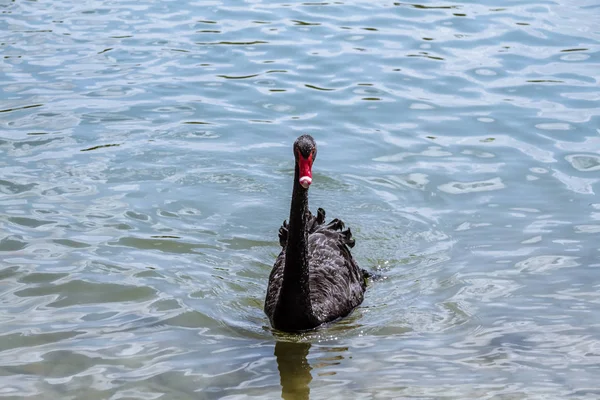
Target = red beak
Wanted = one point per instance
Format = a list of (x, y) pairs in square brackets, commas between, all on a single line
[(305, 165)]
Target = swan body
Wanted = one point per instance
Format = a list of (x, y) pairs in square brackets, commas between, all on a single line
[(315, 279)]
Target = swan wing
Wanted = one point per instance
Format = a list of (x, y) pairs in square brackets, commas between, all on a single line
[(337, 283)]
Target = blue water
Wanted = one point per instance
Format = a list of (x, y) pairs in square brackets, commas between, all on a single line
[(146, 166)]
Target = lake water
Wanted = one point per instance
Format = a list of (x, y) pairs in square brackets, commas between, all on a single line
[(146, 166)]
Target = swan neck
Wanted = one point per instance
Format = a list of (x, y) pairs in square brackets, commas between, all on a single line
[(295, 273)]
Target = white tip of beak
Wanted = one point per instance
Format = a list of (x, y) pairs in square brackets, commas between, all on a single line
[(305, 181)]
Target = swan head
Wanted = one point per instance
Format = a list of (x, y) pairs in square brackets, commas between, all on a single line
[(305, 152)]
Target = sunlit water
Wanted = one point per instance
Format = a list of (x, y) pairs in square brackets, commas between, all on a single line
[(146, 165)]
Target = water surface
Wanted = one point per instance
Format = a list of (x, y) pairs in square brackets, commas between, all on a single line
[(146, 165)]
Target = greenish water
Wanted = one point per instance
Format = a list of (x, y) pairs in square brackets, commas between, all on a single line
[(146, 166)]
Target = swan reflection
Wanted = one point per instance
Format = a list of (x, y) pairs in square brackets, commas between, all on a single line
[(295, 371)]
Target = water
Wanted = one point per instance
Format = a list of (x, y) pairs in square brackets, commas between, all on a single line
[(145, 150)]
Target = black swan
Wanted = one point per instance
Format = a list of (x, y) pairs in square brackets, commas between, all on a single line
[(315, 279)]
